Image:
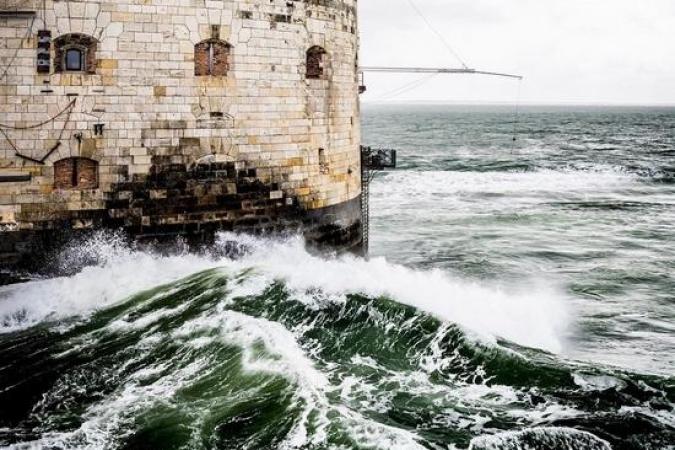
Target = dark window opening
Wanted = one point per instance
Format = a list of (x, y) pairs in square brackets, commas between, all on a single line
[(315, 63), (74, 59)]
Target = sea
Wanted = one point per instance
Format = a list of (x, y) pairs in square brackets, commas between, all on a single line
[(519, 294)]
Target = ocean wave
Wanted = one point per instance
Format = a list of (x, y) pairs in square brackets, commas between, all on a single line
[(488, 311), (281, 349)]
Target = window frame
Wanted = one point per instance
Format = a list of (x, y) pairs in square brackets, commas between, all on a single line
[(86, 44)]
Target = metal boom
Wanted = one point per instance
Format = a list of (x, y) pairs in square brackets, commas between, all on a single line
[(436, 70)]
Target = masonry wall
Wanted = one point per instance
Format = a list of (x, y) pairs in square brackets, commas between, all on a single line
[(263, 123)]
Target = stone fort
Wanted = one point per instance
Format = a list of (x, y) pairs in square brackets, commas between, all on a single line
[(178, 118)]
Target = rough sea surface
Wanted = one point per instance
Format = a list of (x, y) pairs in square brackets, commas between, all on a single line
[(520, 296)]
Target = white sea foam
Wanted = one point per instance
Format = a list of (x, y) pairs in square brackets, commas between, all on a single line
[(545, 437), (453, 188), (106, 422), (472, 397), (536, 316), (589, 382), (120, 275)]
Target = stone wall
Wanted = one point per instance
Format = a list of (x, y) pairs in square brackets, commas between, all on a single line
[(138, 110)]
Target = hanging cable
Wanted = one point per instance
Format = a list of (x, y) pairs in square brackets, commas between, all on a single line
[(440, 36), (11, 143), (69, 109), (405, 88), (516, 115), (38, 125)]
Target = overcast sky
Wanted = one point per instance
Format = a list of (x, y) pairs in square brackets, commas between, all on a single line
[(570, 51)]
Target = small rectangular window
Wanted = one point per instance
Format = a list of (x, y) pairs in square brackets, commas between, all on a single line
[(74, 59)]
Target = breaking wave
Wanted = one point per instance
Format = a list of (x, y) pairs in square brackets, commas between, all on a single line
[(279, 348), (486, 311)]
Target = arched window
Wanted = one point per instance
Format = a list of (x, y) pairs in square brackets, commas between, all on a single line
[(315, 63), (212, 57), (75, 52), (76, 173)]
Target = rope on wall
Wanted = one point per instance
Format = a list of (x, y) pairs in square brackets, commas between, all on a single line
[(38, 125), (68, 109)]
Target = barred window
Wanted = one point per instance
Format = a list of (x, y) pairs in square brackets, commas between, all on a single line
[(315, 63), (212, 57)]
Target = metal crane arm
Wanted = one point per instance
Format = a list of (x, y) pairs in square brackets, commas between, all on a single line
[(435, 70)]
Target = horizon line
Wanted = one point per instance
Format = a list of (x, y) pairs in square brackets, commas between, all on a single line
[(527, 103)]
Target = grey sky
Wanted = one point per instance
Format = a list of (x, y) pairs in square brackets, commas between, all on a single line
[(571, 51)]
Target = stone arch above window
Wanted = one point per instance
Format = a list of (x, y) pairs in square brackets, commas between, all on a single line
[(315, 63), (212, 57), (76, 173), (75, 52)]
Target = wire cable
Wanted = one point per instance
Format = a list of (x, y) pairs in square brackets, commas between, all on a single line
[(38, 125), (53, 149), (516, 115), (437, 33), (405, 88)]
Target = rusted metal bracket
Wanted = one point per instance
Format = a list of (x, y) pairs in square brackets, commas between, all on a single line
[(15, 178)]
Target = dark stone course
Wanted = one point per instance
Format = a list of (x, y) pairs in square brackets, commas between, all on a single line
[(176, 201)]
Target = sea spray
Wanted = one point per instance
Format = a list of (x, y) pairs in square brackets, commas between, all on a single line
[(118, 271), (488, 311)]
